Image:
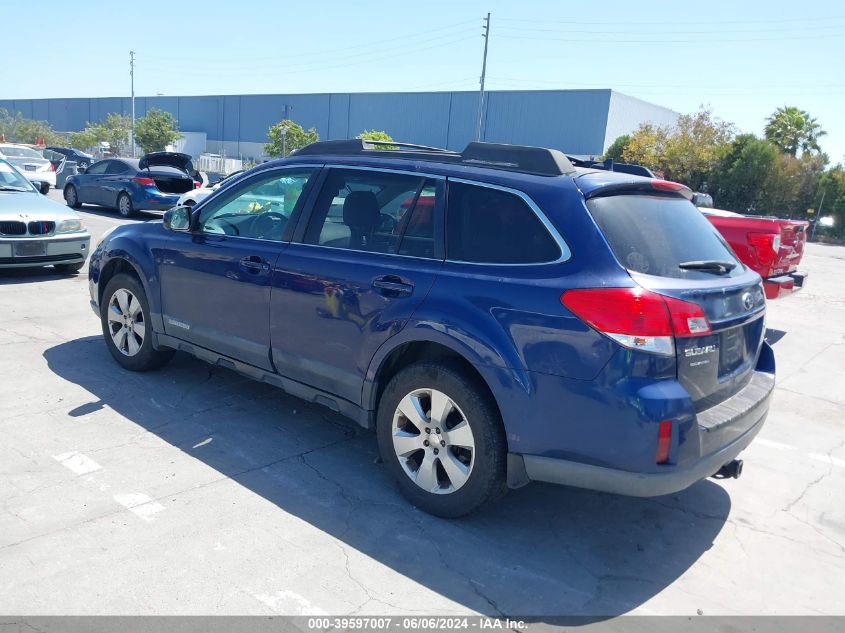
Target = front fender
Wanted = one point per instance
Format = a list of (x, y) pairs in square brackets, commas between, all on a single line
[(140, 258)]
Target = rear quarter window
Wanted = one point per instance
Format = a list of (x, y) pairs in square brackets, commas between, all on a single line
[(654, 234), (491, 226)]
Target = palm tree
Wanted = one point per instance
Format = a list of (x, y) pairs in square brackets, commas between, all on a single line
[(791, 129)]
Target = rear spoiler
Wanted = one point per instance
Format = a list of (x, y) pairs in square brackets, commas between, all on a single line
[(652, 186)]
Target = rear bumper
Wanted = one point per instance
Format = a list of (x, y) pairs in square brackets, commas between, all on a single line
[(48, 176), (146, 200), (783, 285), (724, 431)]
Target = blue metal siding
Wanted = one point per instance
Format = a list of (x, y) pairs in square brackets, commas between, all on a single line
[(577, 121)]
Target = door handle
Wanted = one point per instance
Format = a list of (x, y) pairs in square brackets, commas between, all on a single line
[(254, 264), (392, 286)]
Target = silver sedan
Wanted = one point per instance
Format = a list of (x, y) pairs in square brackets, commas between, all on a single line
[(36, 231)]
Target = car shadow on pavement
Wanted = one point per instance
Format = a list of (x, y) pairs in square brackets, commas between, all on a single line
[(542, 552)]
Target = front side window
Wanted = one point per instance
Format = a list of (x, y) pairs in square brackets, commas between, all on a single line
[(260, 209), (374, 211), (491, 226)]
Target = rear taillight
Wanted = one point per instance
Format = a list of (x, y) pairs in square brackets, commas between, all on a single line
[(664, 441), (52, 167), (144, 182), (197, 185), (765, 245), (637, 318)]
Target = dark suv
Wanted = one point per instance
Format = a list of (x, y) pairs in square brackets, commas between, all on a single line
[(497, 315)]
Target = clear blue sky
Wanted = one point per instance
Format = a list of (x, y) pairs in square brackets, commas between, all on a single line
[(741, 58)]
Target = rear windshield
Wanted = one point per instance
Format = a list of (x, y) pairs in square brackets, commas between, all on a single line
[(654, 234)]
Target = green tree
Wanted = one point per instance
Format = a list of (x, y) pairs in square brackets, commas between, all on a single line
[(617, 148), (287, 136), (791, 130), (695, 147), (155, 131), (647, 146), (377, 135), (114, 131), (737, 183), (16, 128)]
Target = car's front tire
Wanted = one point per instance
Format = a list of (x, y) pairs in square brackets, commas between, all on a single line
[(125, 318), (124, 205), (72, 197), (441, 436)]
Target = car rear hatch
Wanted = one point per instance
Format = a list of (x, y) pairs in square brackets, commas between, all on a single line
[(180, 161), (715, 304)]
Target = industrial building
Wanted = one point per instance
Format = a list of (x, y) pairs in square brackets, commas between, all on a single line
[(575, 121)]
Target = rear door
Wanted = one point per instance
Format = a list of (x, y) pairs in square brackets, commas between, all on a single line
[(113, 182), (669, 247), (366, 258)]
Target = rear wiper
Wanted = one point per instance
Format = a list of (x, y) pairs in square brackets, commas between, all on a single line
[(709, 266)]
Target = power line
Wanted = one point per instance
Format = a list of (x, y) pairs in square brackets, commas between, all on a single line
[(697, 41), (521, 29), (375, 46), (662, 22)]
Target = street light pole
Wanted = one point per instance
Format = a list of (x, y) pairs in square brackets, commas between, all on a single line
[(132, 82), (486, 37)]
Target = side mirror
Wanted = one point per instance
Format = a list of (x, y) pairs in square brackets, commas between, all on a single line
[(178, 219), (42, 185)]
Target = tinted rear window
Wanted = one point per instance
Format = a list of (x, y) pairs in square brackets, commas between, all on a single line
[(654, 234), (486, 225)]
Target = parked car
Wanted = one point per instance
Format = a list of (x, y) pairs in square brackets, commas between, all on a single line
[(36, 231), (770, 246), (154, 182), (30, 162), (537, 322), (190, 198), (81, 158)]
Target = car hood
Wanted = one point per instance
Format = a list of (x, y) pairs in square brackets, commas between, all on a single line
[(26, 206), (167, 159)]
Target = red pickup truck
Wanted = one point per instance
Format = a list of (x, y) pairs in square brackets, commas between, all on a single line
[(770, 246)]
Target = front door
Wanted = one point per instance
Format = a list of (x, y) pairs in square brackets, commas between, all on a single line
[(215, 280), (365, 260)]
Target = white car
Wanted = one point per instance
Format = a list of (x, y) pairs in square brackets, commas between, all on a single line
[(194, 196), (37, 231), (30, 162)]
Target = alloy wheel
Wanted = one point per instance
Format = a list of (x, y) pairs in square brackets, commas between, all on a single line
[(433, 441), (126, 321), (124, 205)]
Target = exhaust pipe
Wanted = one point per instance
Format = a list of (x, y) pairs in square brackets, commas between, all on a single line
[(731, 470)]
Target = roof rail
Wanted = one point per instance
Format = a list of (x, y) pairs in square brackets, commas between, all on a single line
[(520, 158)]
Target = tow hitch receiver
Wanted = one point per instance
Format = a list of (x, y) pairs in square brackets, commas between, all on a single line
[(731, 470)]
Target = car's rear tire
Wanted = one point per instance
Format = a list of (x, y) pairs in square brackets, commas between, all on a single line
[(124, 205), (72, 197), (125, 318), (68, 269), (441, 436)]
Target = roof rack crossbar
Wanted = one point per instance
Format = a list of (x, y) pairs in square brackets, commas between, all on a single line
[(520, 158)]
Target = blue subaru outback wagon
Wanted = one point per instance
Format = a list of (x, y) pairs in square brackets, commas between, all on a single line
[(497, 315)]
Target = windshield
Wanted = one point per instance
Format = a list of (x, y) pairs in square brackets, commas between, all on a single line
[(19, 152), (11, 179), (654, 235)]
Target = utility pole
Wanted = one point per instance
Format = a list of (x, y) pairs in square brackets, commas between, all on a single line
[(132, 82), (486, 36)]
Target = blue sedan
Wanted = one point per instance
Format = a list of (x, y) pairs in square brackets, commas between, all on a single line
[(154, 182)]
